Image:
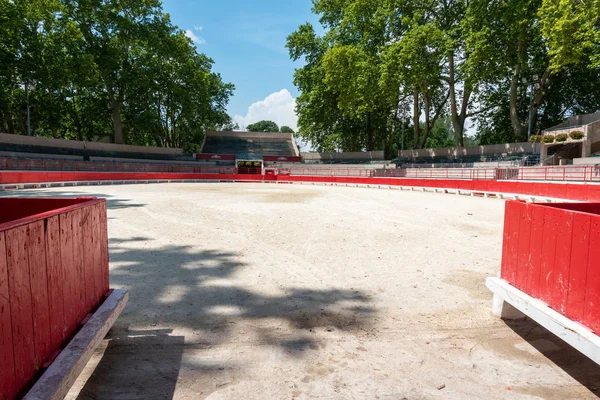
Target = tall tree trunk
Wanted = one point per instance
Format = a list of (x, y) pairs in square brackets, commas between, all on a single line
[(427, 106), (117, 120), (416, 114), (371, 133), (458, 119), (519, 129)]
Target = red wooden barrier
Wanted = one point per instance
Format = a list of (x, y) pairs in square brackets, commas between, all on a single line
[(570, 191), (53, 272), (552, 252)]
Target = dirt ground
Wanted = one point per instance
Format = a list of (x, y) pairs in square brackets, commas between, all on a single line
[(306, 292)]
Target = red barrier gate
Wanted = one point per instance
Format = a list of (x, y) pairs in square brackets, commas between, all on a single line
[(53, 272), (552, 253)]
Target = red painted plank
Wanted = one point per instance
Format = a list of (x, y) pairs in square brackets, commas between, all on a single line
[(87, 234), (523, 249), (562, 263), (506, 240), (8, 385), (39, 290), (514, 210), (21, 308), (592, 291), (56, 280), (104, 247), (548, 255), (579, 263), (96, 254), (535, 245), (79, 297), (68, 272)]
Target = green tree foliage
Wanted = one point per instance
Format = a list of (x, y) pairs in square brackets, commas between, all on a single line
[(99, 68), (263, 126), (571, 29), (497, 63), (286, 129)]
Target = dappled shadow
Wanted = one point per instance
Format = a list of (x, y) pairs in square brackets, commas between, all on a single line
[(187, 290), (182, 286), (136, 365), (578, 366), (112, 202)]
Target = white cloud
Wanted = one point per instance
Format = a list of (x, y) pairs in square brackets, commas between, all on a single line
[(279, 107), (190, 34), (197, 28)]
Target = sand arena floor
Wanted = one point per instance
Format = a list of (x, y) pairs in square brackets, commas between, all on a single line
[(255, 291)]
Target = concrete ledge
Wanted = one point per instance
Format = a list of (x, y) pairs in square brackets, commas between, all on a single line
[(62, 373), (520, 303)]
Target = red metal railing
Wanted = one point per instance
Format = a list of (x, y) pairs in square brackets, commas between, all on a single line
[(589, 173)]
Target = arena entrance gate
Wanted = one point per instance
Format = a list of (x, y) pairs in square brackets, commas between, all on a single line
[(249, 167)]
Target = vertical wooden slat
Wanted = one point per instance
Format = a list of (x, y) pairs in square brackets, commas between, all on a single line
[(104, 246), (21, 309), (514, 211), (8, 385), (88, 257), (78, 260), (592, 290), (39, 290), (506, 240), (68, 272), (97, 253), (535, 243), (523, 248), (562, 263), (548, 254), (56, 283), (579, 265)]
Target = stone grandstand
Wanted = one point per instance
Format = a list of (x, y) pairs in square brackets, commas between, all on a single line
[(250, 145)]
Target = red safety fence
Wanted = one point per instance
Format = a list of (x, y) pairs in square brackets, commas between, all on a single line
[(53, 272), (552, 252), (588, 173), (567, 190)]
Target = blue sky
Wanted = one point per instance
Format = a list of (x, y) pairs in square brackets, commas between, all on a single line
[(246, 40)]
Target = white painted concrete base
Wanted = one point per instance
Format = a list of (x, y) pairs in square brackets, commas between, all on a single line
[(62, 373), (510, 302)]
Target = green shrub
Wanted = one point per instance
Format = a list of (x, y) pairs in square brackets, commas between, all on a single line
[(535, 139), (577, 135), (561, 137), (548, 139)]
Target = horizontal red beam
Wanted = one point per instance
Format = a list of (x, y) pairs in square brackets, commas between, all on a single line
[(289, 159), (216, 157)]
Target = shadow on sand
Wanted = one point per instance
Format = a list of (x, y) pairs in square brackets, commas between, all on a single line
[(180, 287)]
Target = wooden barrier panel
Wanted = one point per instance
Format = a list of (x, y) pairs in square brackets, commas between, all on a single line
[(551, 252), (53, 272)]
